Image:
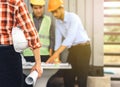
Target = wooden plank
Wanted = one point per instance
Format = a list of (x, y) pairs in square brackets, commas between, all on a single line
[(112, 24), (112, 54), (118, 8), (112, 33), (111, 15), (111, 43), (111, 0)]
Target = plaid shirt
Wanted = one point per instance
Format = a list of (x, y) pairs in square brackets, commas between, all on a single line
[(14, 13)]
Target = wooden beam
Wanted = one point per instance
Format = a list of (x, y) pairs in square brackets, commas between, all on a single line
[(111, 0), (111, 15), (112, 24)]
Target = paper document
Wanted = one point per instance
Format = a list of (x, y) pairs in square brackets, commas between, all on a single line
[(31, 78)]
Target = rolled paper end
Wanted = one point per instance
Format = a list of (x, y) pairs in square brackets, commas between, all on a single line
[(31, 78)]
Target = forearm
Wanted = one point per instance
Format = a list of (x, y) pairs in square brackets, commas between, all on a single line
[(37, 55), (60, 50), (50, 52), (37, 65)]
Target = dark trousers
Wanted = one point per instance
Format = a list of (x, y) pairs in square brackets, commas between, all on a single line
[(78, 57), (56, 80), (10, 67), (24, 84)]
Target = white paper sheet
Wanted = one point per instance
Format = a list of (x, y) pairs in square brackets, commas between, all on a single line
[(31, 78)]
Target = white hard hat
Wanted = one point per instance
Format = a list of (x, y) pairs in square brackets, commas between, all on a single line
[(19, 41)]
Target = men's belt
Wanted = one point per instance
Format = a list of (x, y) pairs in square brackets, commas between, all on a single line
[(83, 44), (5, 45)]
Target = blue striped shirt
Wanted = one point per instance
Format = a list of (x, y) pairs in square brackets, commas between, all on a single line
[(71, 29)]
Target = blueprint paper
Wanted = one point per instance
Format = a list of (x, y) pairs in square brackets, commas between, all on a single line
[(31, 78)]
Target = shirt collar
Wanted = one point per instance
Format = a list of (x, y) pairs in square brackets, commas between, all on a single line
[(39, 17), (65, 18)]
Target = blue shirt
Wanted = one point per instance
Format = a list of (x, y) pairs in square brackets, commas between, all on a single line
[(70, 31)]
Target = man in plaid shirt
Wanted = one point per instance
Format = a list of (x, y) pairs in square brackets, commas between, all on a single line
[(14, 13)]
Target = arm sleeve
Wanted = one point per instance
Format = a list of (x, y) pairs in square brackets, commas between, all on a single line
[(58, 38), (71, 31), (23, 20)]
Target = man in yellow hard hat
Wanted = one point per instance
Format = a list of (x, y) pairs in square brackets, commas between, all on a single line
[(45, 29), (69, 26)]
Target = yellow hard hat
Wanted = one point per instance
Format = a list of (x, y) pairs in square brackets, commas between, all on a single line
[(37, 2), (54, 4)]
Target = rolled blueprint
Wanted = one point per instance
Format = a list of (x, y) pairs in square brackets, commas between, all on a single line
[(31, 78)]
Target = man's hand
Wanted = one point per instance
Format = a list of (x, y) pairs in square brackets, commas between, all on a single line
[(38, 68), (56, 54), (52, 58)]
